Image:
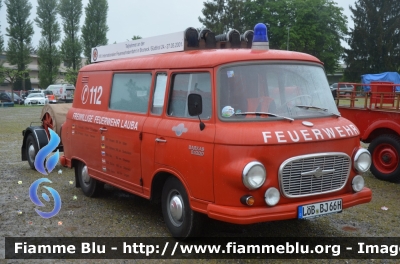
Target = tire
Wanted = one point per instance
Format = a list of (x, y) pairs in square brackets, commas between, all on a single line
[(334, 94), (385, 153), (184, 223), (31, 150), (90, 186)]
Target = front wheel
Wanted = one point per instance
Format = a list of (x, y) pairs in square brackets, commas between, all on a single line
[(31, 150), (385, 153), (180, 219), (334, 94), (90, 186)]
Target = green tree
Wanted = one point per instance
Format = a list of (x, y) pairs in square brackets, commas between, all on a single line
[(222, 15), (275, 13), (1, 38), (71, 75), (71, 47), (48, 53), (11, 76), (319, 28), (20, 33), (315, 27), (94, 31), (375, 40), (23, 82), (135, 37)]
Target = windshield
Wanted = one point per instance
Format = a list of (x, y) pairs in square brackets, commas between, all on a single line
[(16, 96), (35, 95), (277, 90), (70, 91)]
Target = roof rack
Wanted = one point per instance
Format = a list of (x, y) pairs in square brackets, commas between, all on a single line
[(190, 39)]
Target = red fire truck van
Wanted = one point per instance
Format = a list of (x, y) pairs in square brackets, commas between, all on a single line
[(214, 125)]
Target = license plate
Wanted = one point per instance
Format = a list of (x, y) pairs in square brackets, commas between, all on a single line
[(318, 209)]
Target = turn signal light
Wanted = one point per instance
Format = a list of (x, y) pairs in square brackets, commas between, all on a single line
[(247, 200)]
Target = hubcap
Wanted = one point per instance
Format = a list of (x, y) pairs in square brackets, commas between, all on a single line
[(32, 153), (85, 175), (385, 158), (176, 208)]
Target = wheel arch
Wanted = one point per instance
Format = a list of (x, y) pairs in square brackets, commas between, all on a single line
[(380, 127), (158, 182), (74, 164)]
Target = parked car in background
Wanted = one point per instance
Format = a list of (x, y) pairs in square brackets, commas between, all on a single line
[(50, 96), (27, 92), (343, 88), (62, 92), (6, 97), (36, 98)]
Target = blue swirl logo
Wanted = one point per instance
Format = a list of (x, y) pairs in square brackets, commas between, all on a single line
[(35, 199), (51, 161)]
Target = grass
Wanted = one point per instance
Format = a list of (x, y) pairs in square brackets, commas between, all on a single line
[(27, 106)]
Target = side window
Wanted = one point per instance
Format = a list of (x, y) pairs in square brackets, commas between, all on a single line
[(159, 93), (184, 84), (130, 92)]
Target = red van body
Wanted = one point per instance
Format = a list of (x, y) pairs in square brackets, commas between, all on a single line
[(267, 160)]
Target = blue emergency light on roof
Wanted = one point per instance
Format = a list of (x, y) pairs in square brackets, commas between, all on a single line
[(260, 37)]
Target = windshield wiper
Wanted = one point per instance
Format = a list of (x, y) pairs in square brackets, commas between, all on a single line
[(311, 107), (316, 108), (265, 113)]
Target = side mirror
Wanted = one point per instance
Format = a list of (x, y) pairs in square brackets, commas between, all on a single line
[(195, 107), (195, 104)]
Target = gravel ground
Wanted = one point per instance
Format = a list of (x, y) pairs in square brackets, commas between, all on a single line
[(119, 214)]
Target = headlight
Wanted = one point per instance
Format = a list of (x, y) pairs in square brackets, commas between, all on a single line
[(358, 183), (272, 196), (362, 160), (254, 175)]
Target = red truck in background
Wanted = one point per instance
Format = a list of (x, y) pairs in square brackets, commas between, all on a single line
[(376, 113)]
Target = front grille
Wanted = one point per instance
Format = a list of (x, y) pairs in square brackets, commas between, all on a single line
[(322, 173)]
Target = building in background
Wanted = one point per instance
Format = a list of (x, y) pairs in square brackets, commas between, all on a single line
[(337, 76), (33, 68)]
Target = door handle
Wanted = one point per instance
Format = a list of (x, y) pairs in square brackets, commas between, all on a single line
[(161, 140), (103, 129)]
